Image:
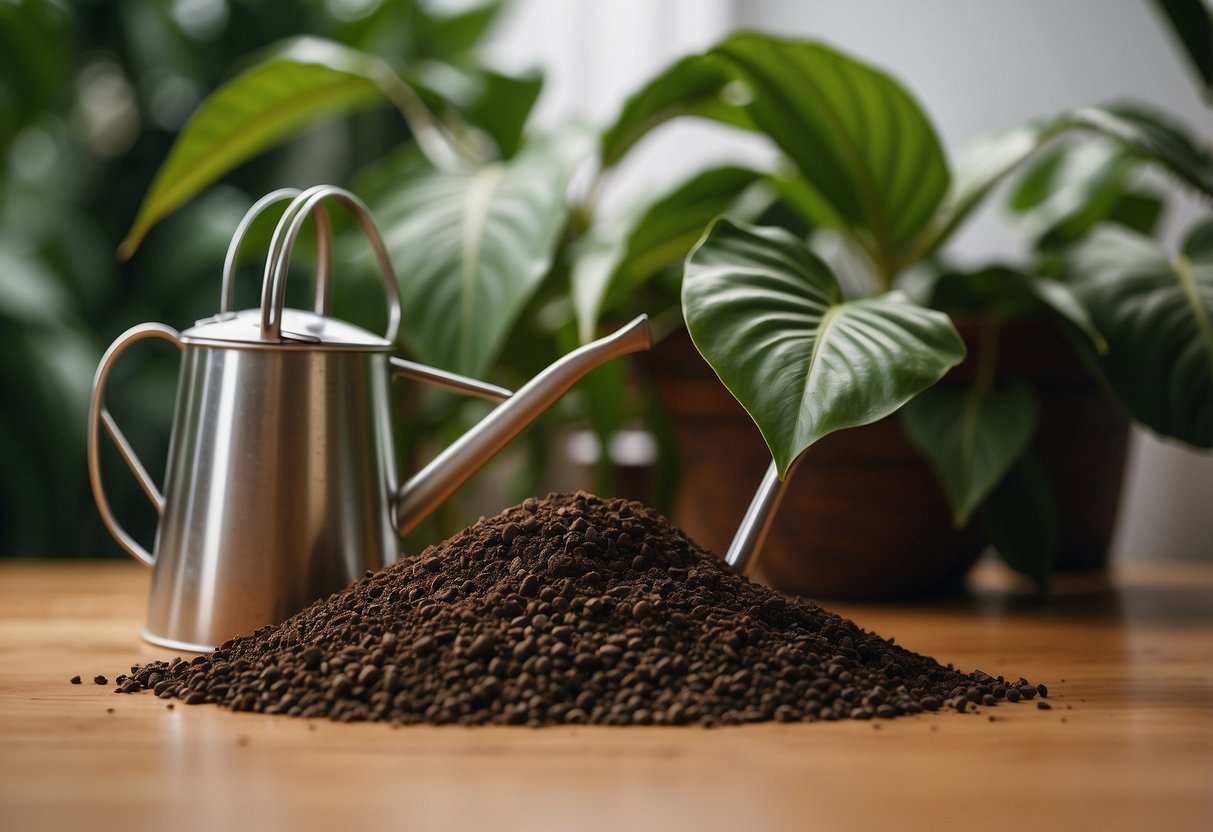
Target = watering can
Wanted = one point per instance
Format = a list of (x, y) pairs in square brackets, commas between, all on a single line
[(281, 485)]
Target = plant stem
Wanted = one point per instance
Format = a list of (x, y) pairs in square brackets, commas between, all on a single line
[(987, 355)]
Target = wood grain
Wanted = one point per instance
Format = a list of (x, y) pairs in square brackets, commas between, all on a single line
[(1128, 744)]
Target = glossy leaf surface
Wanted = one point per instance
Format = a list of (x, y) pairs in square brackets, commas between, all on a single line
[(1157, 317), (768, 316)]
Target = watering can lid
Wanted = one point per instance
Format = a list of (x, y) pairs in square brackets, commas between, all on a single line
[(300, 328)]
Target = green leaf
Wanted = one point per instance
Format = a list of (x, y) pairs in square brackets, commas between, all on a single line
[(1157, 317), (1150, 136), (457, 29), (971, 437), (1020, 520), (35, 55), (697, 85), (503, 106), (300, 82), (1074, 188), (1155, 137), (769, 318), (471, 247), (858, 137), (620, 257), (979, 168), (1192, 23), (1198, 243)]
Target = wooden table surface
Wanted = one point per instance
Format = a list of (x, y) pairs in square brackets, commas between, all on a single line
[(1127, 745)]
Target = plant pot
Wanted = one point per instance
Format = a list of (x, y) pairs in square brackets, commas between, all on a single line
[(864, 516), (1081, 436)]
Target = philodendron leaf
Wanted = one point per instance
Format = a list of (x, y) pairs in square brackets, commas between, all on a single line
[(471, 247), (693, 86), (857, 136), (298, 83), (971, 437), (620, 257), (1020, 519), (768, 316), (1157, 317)]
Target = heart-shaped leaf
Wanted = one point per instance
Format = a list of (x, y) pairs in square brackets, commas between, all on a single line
[(971, 437), (768, 316), (1157, 317), (620, 257), (857, 136), (471, 247), (300, 82)]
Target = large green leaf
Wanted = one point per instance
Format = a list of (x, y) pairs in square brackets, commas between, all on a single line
[(471, 247), (972, 437), (696, 86), (769, 318), (298, 83), (621, 256), (858, 137), (1020, 519), (1157, 317)]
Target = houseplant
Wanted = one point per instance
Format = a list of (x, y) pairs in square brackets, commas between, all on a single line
[(93, 96), (976, 436), (536, 268)]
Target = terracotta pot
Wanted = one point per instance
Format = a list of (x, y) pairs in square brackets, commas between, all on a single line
[(864, 517)]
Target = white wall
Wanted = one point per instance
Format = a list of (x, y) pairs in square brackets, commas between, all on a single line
[(977, 67)]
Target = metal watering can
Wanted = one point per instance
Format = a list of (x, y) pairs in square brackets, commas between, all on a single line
[(281, 485)]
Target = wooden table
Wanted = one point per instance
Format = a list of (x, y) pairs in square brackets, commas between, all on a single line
[(1127, 745)]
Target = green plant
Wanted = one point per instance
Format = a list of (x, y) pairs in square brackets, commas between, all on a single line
[(868, 165), (92, 97), (500, 268)]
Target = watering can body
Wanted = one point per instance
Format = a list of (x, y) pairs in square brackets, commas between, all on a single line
[(281, 485)]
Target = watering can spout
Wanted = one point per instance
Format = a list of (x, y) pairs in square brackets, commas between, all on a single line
[(418, 497)]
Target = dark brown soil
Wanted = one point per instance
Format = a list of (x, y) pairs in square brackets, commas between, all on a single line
[(569, 609)]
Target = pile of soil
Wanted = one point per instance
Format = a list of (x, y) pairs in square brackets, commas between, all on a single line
[(568, 609)]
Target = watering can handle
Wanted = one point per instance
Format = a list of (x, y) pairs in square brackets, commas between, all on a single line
[(98, 415), (323, 258), (273, 287)]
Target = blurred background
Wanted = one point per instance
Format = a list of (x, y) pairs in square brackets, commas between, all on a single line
[(92, 95)]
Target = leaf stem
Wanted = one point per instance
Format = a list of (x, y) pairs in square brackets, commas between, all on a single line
[(987, 355)]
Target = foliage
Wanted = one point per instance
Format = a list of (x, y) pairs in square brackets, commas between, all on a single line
[(92, 97), (501, 265)]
